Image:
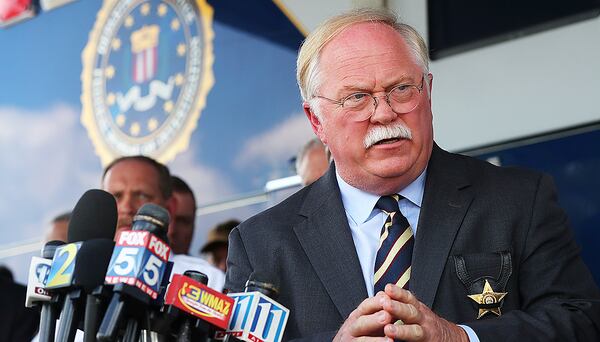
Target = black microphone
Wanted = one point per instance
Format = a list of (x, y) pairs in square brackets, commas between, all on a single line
[(38, 295), (137, 267), (256, 315), (79, 267)]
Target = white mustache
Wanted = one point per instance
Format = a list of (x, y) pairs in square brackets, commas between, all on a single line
[(378, 133)]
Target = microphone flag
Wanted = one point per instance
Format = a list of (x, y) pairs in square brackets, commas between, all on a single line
[(139, 259), (199, 300), (257, 318)]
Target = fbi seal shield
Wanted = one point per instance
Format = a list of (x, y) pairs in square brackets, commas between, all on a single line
[(147, 69)]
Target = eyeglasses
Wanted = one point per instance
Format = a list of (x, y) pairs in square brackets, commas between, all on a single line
[(402, 99)]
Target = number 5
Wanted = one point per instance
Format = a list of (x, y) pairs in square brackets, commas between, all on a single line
[(125, 261), (152, 268)]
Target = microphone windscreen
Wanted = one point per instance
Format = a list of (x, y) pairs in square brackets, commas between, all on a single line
[(263, 281), (155, 211), (92, 262), (50, 247), (94, 217)]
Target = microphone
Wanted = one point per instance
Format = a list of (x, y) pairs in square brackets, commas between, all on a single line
[(39, 268), (38, 295), (203, 307), (136, 268), (78, 267), (256, 316)]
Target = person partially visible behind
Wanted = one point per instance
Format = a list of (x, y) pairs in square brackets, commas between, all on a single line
[(137, 180), (58, 228), (17, 323), (217, 243), (312, 161), (181, 229)]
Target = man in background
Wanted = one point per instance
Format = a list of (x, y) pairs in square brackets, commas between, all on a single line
[(312, 161), (181, 229), (17, 322), (59, 228), (217, 243), (137, 180)]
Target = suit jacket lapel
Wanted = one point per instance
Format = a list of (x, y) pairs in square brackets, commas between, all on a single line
[(326, 239), (446, 199)]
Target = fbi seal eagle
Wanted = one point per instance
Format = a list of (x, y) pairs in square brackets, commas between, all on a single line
[(147, 69)]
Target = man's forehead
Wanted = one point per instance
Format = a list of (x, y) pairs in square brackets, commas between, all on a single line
[(132, 171), (364, 54), (359, 36)]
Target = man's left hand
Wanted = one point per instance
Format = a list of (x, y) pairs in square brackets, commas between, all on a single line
[(417, 321)]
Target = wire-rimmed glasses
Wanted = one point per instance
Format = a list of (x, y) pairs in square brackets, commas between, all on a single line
[(402, 99)]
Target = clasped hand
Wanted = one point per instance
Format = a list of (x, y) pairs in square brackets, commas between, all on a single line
[(397, 314)]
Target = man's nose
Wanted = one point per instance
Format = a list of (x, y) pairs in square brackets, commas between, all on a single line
[(125, 205), (382, 113)]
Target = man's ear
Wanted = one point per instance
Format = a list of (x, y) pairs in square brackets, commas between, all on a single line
[(430, 78), (171, 206), (315, 123)]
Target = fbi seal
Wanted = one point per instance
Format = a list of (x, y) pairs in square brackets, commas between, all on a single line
[(147, 69)]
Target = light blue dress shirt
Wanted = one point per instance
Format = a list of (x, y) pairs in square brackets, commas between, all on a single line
[(365, 224)]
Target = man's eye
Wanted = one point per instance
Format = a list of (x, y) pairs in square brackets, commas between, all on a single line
[(144, 197), (401, 88), (356, 98)]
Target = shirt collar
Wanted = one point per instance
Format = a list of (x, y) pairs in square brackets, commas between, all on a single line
[(359, 204)]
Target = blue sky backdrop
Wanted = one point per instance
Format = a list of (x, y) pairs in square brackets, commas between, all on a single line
[(251, 126)]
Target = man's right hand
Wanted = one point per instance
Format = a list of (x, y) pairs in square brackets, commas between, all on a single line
[(367, 320)]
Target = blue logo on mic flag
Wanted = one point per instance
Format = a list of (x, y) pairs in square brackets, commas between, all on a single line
[(42, 271), (257, 317)]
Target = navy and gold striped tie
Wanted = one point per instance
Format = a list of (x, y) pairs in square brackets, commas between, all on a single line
[(394, 256)]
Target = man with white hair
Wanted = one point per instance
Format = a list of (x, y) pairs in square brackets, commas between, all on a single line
[(402, 240)]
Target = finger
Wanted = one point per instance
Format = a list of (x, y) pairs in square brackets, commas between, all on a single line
[(401, 295), (374, 339), (370, 305), (407, 313), (371, 325), (406, 332)]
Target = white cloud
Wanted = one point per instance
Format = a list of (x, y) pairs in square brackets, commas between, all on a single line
[(46, 162), (277, 145), (208, 184)]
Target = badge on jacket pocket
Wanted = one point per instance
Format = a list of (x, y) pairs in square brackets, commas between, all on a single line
[(487, 291)]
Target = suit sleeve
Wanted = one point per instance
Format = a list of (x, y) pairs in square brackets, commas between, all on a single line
[(238, 265), (239, 269), (559, 299)]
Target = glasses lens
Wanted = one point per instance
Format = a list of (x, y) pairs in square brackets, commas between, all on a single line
[(359, 106), (404, 98)]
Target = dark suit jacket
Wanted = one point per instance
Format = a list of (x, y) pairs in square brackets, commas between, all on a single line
[(17, 323), (470, 209)]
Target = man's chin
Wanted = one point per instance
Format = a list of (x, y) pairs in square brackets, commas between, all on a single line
[(122, 228)]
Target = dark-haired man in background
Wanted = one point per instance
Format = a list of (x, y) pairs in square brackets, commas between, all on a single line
[(181, 229), (17, 323)]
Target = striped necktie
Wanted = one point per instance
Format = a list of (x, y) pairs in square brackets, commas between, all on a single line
[(394, 256)]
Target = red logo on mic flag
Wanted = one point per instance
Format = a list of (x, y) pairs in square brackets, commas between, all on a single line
[(199, 300)]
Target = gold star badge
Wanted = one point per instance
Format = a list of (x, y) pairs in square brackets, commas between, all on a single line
[(488, 300)]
